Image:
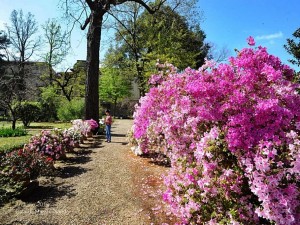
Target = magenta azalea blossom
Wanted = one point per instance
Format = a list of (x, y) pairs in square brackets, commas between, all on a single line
[(251, 41), (231, 132), (93, 124)]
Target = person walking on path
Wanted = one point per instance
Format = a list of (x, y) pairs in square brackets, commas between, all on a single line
[(108, 122)]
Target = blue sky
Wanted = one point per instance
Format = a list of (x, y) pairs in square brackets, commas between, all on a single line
[(227, 23)]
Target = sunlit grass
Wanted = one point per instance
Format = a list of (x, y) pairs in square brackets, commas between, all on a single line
[(34, 128)]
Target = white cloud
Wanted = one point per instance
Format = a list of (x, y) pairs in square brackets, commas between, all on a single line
[(270, 36)]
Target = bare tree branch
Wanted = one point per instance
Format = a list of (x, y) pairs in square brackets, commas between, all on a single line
[(87, 21), (143, 3)]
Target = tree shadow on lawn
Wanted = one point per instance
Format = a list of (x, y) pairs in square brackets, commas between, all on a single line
[(39, 127)]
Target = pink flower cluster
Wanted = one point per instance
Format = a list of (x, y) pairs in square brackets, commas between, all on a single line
[(48, 143), (231, 132), (82, 126), (93, 124), (52, 143)]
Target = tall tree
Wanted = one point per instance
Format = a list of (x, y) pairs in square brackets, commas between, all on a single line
[(4, 42), (168, 36), (127, 31), (293, 47), (22, 33), (218, 54), (95, 10), (57, 42), (115, 82)]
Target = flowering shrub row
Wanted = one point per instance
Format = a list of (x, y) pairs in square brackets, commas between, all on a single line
[(232, 134), (24, 164), (20, 166)]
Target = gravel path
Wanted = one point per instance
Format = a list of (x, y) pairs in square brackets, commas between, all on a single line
[(104, 183)]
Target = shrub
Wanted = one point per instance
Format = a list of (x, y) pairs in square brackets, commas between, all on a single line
[(23, 164), (18, 167), (232, 134), (49, 103), (48, 112), (27, 112), (71, 110), (9, 132), (47, 143), (10, 147), (83, 126), (73, 135)]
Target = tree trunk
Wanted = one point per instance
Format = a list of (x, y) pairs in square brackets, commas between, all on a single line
[(92, 78), (13, 126), (115, 107)]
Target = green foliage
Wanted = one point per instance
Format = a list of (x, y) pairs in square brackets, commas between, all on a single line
[(8, 148), (57, 42), (49, 104), (293, 47), (113, 86), (9, 132), (168, 36), (68, 111), (18, 167), (116, 78), (27, 112)]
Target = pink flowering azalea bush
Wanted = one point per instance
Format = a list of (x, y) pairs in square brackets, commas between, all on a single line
[(231, 132), (84, 126), (72, 136), (18, 168), (25, 164), (93, 124), (49, 143)]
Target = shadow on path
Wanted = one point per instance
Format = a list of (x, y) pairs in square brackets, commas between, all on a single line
[(118, 135), (49, 193), (70, 171)]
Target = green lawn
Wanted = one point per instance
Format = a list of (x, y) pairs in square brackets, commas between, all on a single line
[(38, 125), (33, 129)]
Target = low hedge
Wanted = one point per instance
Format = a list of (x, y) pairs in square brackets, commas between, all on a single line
[(9, 132)]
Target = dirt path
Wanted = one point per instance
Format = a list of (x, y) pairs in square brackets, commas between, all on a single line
[(104, 183)]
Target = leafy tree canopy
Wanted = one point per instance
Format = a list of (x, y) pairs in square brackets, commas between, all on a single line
[(293, 47), (168, 36)]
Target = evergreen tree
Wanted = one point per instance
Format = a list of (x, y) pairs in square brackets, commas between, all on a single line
[(293, 47), (167, 35)]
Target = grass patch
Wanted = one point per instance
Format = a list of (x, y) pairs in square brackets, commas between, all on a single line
[(10, 143), (37, 125), (48, 125)]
